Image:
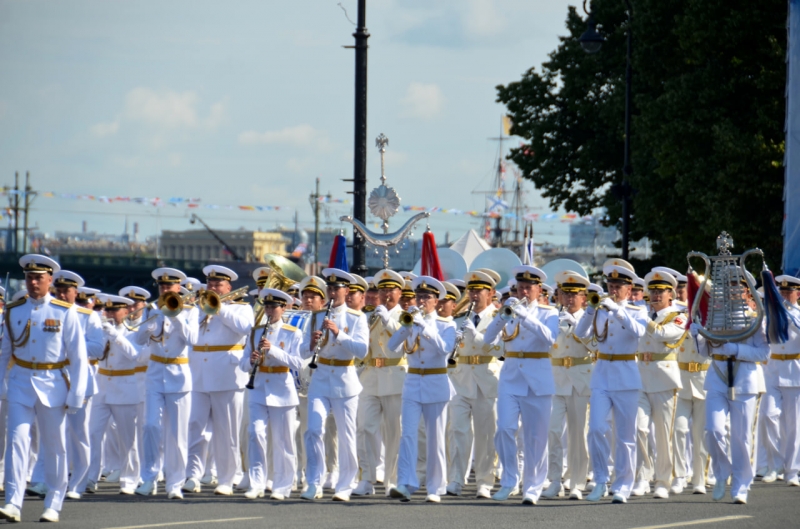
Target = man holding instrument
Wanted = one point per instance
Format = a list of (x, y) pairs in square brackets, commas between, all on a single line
[(342, 338), (616, 326), (526, 384), (474, 376), (272, 349)]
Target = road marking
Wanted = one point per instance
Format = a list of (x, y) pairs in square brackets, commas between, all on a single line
[(693, 522), (187, 523)]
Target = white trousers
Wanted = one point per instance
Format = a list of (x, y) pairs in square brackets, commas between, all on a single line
[(781, 409), (301, 425), (344, 411), (125, 417), (112, 459), (167, 421), (434, 416), (624, 405), (282, 464), (3, 421), (690, 414), (223, 409), (573, 410), (52, 449), (657, 408), (79, 447), (534, 411), (331, 444), (741, 412), (378, 421), (472, 421)]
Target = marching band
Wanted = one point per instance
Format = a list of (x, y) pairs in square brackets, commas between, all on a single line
[(395, 382)]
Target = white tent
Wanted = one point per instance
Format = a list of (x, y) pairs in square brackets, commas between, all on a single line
[(470, 245)]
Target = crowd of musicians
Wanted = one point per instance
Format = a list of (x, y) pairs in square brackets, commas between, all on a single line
[(388, 384)]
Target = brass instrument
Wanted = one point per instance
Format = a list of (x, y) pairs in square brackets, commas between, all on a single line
[(594, 299), (171, 304), (507, 311), (458, 310), (407, 317), (210, 302), (129, 321)]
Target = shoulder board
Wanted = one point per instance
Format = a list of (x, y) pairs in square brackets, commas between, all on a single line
[(239, 303), (17, 303), (634, 307), (446, 320), (356, 312), (549, 307), (84, 310), (60, 303), (287, 327), (681, 303), (495, 313)]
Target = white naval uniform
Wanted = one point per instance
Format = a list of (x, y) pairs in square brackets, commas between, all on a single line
[(781, 403), (335, 388), (615, 386), (691, 413), (472, 412), (661, 378), (118, 398), (168, 399), (40, 395), (380, 402), (425, 396), (218, 390), (273, 403), (525, 391), (572, 373), (737, 413)]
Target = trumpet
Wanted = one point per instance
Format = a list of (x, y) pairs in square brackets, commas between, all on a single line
[(594, 299), (507, 311), (407, 317), (210, 302)]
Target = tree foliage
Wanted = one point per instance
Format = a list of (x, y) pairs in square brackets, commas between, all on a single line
[(707, 140)]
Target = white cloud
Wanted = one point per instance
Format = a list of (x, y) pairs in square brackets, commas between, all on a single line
[(175, 159), (297, 136), (101, 130), (171, 110), (423, 101), (483, 19)]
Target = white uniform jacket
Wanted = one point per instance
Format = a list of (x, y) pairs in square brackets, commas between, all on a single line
[(169, 338), (536, 332), (693, 378), (431, 343), (469, 375), (219, 349), (666, 330), (95, 344), (786, 373), (351, 344), (381, 381), (569, 375), (51, 333), (748, 379), (117, 377), (622, 330), (275, 389)]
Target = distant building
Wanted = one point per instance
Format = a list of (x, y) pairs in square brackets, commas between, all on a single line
[(582, 235), (202, 246)]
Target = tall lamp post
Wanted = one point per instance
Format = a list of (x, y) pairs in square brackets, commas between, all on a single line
[(361, 35), (591, 42)]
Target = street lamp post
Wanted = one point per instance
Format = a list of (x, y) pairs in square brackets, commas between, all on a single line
[(592, 41)]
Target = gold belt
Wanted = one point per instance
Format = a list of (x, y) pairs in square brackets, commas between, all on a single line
[(93, 362), (140, 369), (569, 361), (512, 354), (693, 367), (168, 361), (616, 358), (336, 363), (785, 357), (217, 348), (273, 369), (423, 372), (723, 358), (656, 357), (116, 372), (387, 362), (36, 365), (475, 360)]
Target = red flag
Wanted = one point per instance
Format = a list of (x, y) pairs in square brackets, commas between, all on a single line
[(430, 257)]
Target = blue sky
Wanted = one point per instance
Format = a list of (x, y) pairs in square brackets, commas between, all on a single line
[(248, 102)]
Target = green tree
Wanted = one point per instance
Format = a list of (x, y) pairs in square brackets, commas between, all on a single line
[(707, 141)]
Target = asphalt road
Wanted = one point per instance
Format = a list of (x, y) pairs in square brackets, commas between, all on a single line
[(773, 505)]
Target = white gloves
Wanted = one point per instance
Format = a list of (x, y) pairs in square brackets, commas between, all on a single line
[(469, 326), (694, 330), (610, 304), (110, 331), (728, 349), (381, 311), (510, 301), (459, 336), (568, 318)]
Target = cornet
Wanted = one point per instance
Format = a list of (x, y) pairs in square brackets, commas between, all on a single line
[(507, 311), (407, 317), (210, 302), (594, 299)]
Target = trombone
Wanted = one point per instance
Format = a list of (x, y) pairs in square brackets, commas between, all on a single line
[(129, 321), (171, 304), (210, 302)]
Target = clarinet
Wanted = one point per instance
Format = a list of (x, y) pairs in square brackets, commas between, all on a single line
[(451, 360), (251, 384), (313, 363)]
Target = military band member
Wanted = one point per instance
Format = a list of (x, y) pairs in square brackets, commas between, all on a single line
[(472, 411), (168, 387), (446, 306), (43, 337), (118, 395), (273, 400), (407, 298), (661, 379), (572, 374), (372, 297), (781, 403), (334, 385), (356, 296), (426, 391), (380, 402), (616, 327), (637, 292), (526, 384), (732, 415)]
